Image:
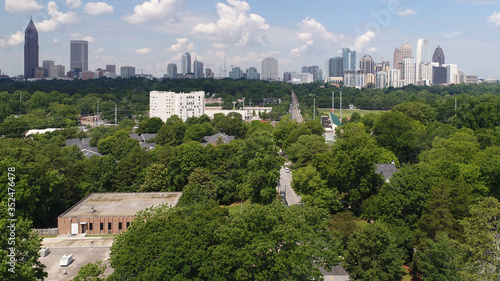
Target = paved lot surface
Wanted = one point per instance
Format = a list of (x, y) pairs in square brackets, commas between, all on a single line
[(81, 256)]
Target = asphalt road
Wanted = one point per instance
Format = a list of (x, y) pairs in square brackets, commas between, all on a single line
[(286, 185)]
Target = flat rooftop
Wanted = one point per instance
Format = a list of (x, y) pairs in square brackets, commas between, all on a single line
[(120, 204)]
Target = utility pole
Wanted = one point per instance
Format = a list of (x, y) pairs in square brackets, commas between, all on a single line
[(314, 109), (340, 106)]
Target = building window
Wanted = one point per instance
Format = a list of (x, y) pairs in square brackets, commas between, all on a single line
[(120, 226), (101, 226), (128, 224), (91, 226), (109, 226)]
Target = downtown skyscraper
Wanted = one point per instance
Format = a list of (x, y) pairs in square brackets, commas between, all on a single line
[(79, 56), (269, 69), (348, 59), (30, 50), (186, 63)]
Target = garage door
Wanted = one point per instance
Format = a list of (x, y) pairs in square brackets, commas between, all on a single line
[(74, 228)]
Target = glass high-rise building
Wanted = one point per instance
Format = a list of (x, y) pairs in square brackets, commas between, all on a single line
[(348, 59), (30, 50), (186, 63), (127, 71), (335, 67), (252, 74), (423, 56), (198, 69), (172, 70), (79, 55)]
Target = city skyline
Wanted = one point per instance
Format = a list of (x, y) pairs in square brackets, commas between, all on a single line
[(300, 34)]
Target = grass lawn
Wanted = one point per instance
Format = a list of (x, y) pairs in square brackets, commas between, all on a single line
[(346, 113), (236, 207)]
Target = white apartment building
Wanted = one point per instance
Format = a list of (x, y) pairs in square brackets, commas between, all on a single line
[(164, 104)]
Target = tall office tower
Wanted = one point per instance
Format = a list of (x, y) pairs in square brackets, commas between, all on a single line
[(79, 55), (348, 59), (198, 69), (370, 79), (367, 64), (451, 74), (381, 80), (398, 59), (30, 50), (349, 79), (409, 71), (111, 68), (335, 67), (46, 64), (423, 55), (127, 71), (172, 70), (439, 75), (236, 73), (312, 70), (269, 70), (186, 63), (287, 76), (382, 66), (438, 56), (359, 78), (252, 73)]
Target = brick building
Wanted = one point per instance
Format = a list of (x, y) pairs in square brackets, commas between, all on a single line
[(110, 213)]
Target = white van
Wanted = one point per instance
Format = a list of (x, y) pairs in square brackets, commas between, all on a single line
[(66, 260)]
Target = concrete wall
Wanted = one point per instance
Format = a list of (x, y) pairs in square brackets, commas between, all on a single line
[(64, 225)]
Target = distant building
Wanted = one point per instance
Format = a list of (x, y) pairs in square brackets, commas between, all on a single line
[(186, 63), (127, 71), (209, 73), (165, 104), (57, 71), (269, 69), (252, 74), (301, 78), (335, 67), (314, 70), (87, 75), (46, 66), (172, 70), (370, 79), (110, 213), (111, 68), (423, 57), (386, 170), (236, 73), (215, 139), (79, 55), (451, 73), (467, 79), (381, 80), (395, 78), (348, 59), (439, 75), (367, 64), (438, 56), (425, 74), (287, 76), (198, 69), (31, 61), (409, 75)]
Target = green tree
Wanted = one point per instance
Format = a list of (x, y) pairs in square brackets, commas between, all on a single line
[(372, 254), (20, 256), (302, 152), (482, 233), (345, 224), (91, 272), (442, 260)]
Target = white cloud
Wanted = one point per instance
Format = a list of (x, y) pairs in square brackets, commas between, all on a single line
[(315, 38), (234, 26), (73, 4), (156, 11), (181, 45), (372, 50), (453, 34), (55, 40), (22, 6), (220, 45), (143, 51), (15, 39), (98, 8), (78, 36), (495, 18), (407, 12), (363, 40), (57, 19)]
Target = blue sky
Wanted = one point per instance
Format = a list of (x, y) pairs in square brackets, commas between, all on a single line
[(150, 34)]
